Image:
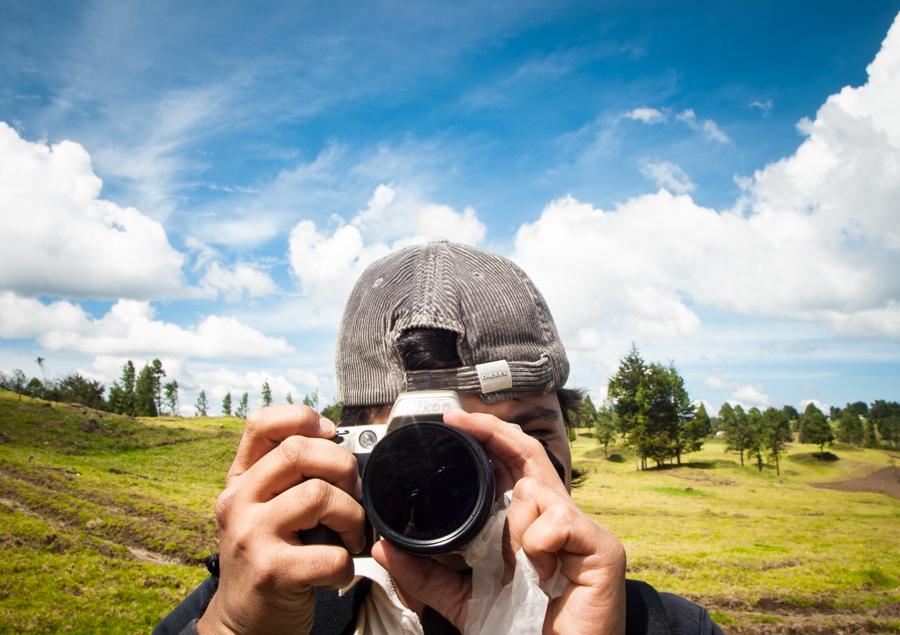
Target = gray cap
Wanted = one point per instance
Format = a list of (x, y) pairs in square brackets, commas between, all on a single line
[(507, 340)]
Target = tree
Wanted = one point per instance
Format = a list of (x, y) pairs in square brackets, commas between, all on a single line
[(34, 387), (776, 432), (886, 415), (121, 395), (815, 428), (623, 391), (332, 412), (226, 404), (739, 432), (605, 427), (241, 412), (40, 362), (201, 406), (652, 406), (755, 437), (289, 397), (171, 393), (266, 394), (850, 428), (870, 439), (145, 393), (74, 388), (312, 400), (859, 408), (158, 374), (792, 416)]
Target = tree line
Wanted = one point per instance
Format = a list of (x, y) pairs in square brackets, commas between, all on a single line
[(143, 393), (649, 408)]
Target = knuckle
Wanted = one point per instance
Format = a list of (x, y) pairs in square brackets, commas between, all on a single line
[(224, 505), (292, 448), (526, 487), (316, 494), (254, 420)]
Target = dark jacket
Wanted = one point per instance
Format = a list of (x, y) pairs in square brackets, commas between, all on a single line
[(648, 613)]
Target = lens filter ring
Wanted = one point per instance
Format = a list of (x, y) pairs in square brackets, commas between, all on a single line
[(428, 488)]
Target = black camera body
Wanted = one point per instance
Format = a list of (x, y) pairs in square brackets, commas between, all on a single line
[(427, 487)]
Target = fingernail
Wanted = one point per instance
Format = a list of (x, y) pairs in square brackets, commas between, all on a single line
[(326, 426)]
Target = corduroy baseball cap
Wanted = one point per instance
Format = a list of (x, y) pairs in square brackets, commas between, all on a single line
[(506, 338)]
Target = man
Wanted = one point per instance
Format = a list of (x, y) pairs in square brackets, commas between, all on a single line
[(436, 316)]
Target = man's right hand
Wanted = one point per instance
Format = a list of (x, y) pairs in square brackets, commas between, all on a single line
[(286, 477)]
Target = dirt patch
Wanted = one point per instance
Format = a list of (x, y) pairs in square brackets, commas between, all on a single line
[(883, 481), (143, 555)]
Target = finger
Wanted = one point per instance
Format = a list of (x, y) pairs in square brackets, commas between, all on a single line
[(521, 454), (316, 502), (267, 427), (551, 529), (427, 580), (297, 567), (294, 460)]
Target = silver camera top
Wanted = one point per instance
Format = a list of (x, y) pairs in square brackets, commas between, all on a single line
[(408, 408)]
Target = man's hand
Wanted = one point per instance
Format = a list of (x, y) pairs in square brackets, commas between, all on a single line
[(286, 477), (542, 520)]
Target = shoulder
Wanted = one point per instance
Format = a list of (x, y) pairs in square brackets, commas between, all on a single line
[(686, 617), (649, 612)]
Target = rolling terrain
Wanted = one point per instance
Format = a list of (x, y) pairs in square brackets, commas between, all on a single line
[(105, 519)]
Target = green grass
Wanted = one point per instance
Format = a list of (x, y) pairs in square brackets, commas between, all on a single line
[(104, 520), (753, 546)]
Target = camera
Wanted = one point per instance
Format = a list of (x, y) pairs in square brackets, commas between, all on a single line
[(427, 487)]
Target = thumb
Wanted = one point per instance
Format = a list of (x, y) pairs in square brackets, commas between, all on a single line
[(428, 581)]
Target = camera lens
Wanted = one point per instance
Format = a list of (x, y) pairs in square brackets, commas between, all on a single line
[(428, 487)]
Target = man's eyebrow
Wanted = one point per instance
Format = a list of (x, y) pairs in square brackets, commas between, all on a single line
[(535, 414)]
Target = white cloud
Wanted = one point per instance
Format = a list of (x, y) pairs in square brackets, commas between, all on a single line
[(708, 127), (749, 396), (234, 283), (393, 215), (646, 115), (326, 265), (668, 175), (814, 237), (129, 328), (764, 105), (717, 383), (57, 236)]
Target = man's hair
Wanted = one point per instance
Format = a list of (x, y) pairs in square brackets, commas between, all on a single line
[(434, 349)]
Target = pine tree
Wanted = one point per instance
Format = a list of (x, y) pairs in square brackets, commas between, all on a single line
[(241, 412), (158, 374), (815, 428), (738, 432), (605, 428), (266, 394), (226, 405), (850, 428), (145, 393), (201, 406), (123, 402), (289, 397), (312, 399), (171, 392), (755, 437), (776, 430), (623, 391)]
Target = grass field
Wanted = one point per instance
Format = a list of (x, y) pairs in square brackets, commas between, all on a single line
[(104, 521)]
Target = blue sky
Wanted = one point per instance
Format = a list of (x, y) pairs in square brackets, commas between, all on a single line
[(202, 183)]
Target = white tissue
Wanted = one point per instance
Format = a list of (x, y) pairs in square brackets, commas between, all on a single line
[(520, 606)]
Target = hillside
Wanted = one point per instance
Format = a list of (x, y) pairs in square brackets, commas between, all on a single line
[(105, 520)]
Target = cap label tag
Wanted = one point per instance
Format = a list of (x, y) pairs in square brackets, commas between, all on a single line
[(494, 376)]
